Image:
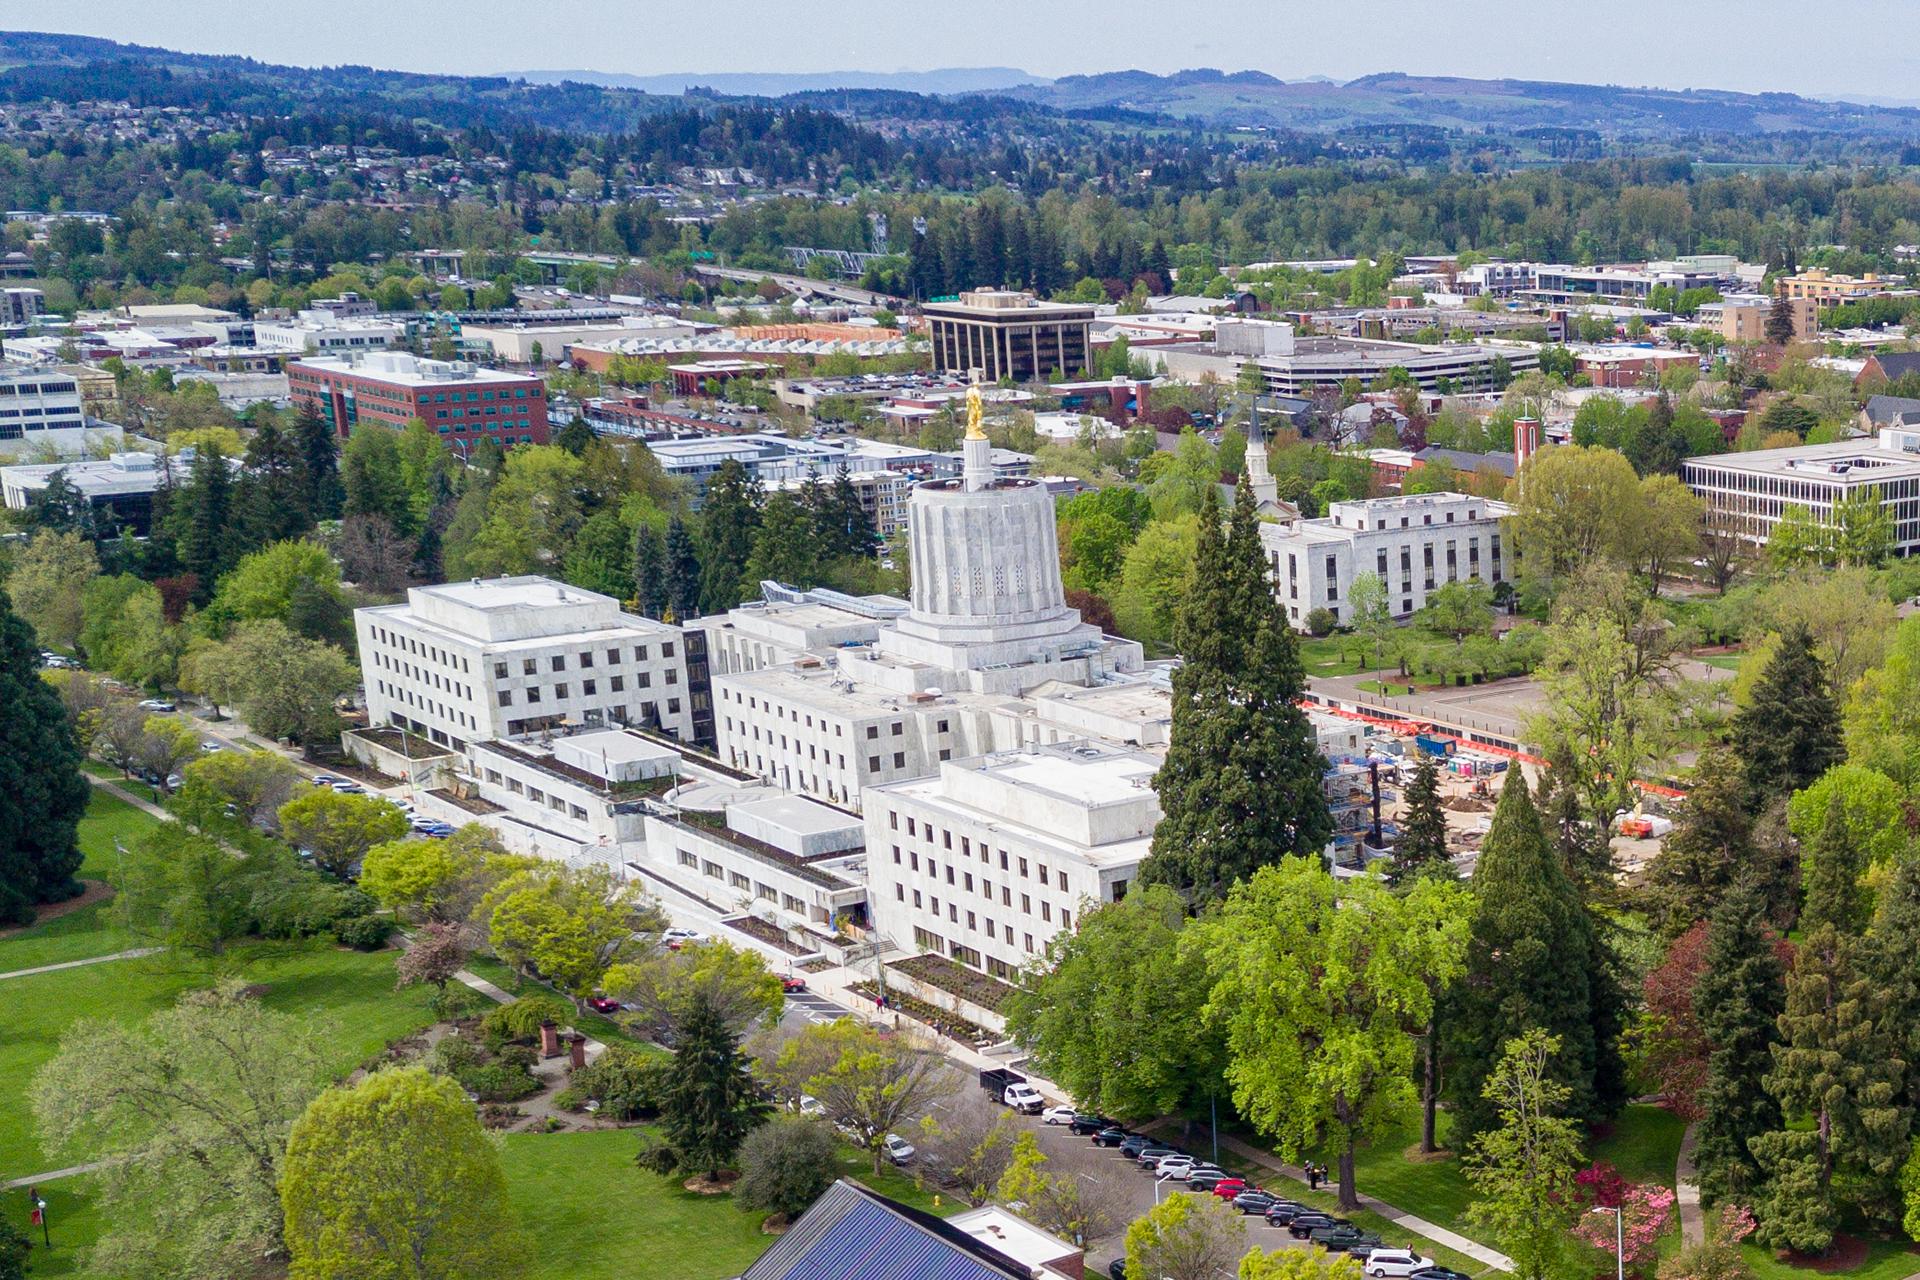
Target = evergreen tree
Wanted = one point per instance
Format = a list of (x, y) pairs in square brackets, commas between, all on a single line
[(1738, 1001), (204, 521), (1242, 785), (42, 794), (729, 518), (1834, 1065), (1779, 326), (60, 507), (319, 465), (845, 529), (681, 577), (711, 1101), (649, 570), (1887, 958), (1423, 828), (1835, 894), (575, 436), (1529, 963), (1710, 844), (270, 497), (785, 547), (1788, 734)]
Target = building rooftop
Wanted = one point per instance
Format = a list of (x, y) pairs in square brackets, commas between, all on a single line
[(405, 369), (1007, 304), (1862, 459)]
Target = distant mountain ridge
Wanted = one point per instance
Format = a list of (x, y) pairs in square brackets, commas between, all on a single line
[(778, 84)]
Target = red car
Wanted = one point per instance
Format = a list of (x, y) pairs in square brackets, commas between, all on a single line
[(792, 982), (603, 1004), (1228, 1188)]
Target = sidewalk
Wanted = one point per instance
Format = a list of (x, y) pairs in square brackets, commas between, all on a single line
[(132, 954), (1686, 1191), (1419, 1226)]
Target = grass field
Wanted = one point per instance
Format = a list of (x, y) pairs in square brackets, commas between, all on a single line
[(602, 1218), (87, 932), (1886, 1260)]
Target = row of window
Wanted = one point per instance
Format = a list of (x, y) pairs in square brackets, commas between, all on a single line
[(944, 838), (418, 702), (421, 675), (715, 871), (953, 908), (588, 689), (583, 659)]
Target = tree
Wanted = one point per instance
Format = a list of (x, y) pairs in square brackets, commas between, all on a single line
[(263, 584), (1863, 533), (256, 783), (1798, 540), (1737, 1000), (339, 829), (270, 497), (1837, 857), (373, 554), (393, 1176), (876, 1084), (188, 1113), (284, 684), (785, 548), (1522, 1170), (1883, 711), (711, 1100), (566, 924), (1460, 609), (682, 576), (1241, 784), (167, 742), (1668, 530), (1069, 1205), (1185, 1238), (1529, 965), (204, 532), (1779, 327), (968, 1147), (1676, 1049), (14, 1248), (786, 1164), (437, 953), (1155, 577), (729, 520), (1711, 843), (1578, 506), (1723, 549), (1788, 734), (1372, 618), (48, 583), (1299, 1264), (649, 570), (320, 465), (193, 895), (1835, 1064), (1886, 958), (438, 880), (1113, 1014), (1422, 848), (1325, 1051), (42, 792), (734, 980)]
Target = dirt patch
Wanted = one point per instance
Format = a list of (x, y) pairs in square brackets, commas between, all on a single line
[(775, 1225), (1846, 1253), (1415, 1155), (93, 891), (702, 1185)]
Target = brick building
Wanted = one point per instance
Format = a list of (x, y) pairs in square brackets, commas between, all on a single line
[(460, 401)]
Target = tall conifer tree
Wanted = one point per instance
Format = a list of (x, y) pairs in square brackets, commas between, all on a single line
[(42, 794), (1423, 827), (1788, 734), (649, 570), (1242, 785), (1710, 843), (681, 577), (1738, 1001)]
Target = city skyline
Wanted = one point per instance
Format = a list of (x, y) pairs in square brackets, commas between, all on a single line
[(1072, 37)]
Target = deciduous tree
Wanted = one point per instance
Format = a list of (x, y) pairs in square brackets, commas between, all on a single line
[(339, 829), (1522, 1169), (566, 924), (785, 1164), (876, 1084), (393, 1176), (1185, 1238)]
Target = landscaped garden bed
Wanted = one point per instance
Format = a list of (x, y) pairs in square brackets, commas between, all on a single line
[(956, 979), (945, 1021), (773, 936)]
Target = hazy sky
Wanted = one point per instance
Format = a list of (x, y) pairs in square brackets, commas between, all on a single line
[(1837, 47)]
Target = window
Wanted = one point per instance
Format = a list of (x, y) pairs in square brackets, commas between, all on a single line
[(559, 662), (666, 649), (586, 688), (506, 697), (619, 683), (529, 667), (899, 760), (639, 653), (1066, 918), (499, 671), (533, 693), (613, 657), (586, 659), (559, 692), (873, 731), (894, 728)]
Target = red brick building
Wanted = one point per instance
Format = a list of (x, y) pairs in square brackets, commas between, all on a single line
[(460, 401)]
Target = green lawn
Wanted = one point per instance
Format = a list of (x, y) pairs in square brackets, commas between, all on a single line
[(1725, 661), (1886, 1260), (72, 1224), (87, 932), (347, 996), (598, 1217), (603, 1029), (1644, 1145)]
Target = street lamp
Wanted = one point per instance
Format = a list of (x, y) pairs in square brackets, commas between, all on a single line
[(1619, 1237)]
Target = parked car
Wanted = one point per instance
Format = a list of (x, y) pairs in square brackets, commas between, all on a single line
[(1205, 1178), (1255, 1200), (1150, 1156), (1179, 1167), (436, 830), (210, 746), (348, 787), (1227, 1188), (1083, 1124), (808, 1105), (157, 704), (898, 1149), (1024, 1098), (1117, 1269), (1282, 1212), (325, 780), (1395, 1262), (1440, 1273), (1057, 1115), (1344, 1239), (790, 982), (603, 1004), (1134, 1143), (1112, 1137), (676, 938), (1303, 1225)]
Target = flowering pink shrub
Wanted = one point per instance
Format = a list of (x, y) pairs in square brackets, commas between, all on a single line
[(1646, 1212)]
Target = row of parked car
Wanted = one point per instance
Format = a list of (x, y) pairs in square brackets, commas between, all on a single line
[(433, 828), (1301, 1221)]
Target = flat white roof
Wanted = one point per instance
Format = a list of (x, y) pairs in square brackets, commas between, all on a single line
[(527, 592), (409, 370)]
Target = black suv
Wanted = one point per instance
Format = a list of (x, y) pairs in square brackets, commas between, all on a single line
[(1110, 1137), (1305, 1224), (1089, 1124)]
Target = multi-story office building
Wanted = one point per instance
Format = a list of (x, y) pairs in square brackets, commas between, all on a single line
[(1009, 335), (466, 662), (40, 409), (1295, 365), (120, 487), (988, 859), (463, 402), (1415, 544), (1743, 318), (21, 306), (1830, 289), (1750, 492), (321, 333)]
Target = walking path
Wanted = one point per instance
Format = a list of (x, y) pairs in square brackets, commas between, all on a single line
[(1419, 1226), (132, 954), (52, 1175), (1686, 1192), (119, 792)]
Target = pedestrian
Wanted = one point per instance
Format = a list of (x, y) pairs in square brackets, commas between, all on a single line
[(1313, 1176)]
